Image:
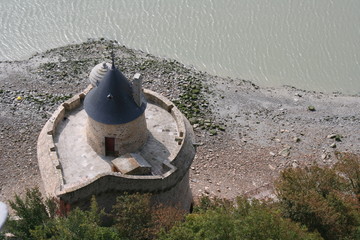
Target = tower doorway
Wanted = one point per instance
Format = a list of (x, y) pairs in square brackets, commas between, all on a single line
[(109, 146)]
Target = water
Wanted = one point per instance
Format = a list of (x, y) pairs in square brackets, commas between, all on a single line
[(310, 44)]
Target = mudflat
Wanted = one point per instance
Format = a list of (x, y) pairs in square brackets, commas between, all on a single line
[(245, 134)]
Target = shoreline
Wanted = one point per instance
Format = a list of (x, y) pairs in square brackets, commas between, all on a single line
[(266, 129)]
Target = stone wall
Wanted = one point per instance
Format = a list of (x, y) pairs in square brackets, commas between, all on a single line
[(48, 160), (129, 137)]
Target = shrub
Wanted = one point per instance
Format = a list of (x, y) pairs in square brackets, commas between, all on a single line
[(164, 218), (77, 225), (321, 199), (132, 215), (349, 167), (243, 220), (31, 212), (135, 218)]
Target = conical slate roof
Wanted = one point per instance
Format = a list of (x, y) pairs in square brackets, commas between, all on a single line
[(111, 102)]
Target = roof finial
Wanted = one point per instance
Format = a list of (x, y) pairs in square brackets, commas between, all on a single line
[(112, 59)]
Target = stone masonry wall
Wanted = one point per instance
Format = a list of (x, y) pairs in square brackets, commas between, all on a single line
[(128, 137)]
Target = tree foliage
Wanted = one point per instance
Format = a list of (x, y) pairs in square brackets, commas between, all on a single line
[(31, 212), (136, 218), (324, 199), (218, 219), (77, 225), (348, 167)]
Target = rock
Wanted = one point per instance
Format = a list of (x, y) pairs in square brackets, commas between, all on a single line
[(207, 190), (331, 136), (213, 132), (338, 138), (296, 139), (272, 167), (323, 156), (272, 154), (285, 152), (311, 108), (333, 145)]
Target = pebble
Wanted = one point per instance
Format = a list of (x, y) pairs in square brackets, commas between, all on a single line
[(285, 152)]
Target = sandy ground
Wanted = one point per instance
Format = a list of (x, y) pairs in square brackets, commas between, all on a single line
[(267, 129)]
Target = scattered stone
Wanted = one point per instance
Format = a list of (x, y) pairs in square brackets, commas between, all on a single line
[(333, 145), (296, 139), (272, 154), (212, 132), (331, 136), (338, 138), (207, 190), (272, 167), (285, 152), (311, 108), (323, 156), (295, 165)]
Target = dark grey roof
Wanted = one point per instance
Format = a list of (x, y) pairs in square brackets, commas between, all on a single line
[(111, 102)]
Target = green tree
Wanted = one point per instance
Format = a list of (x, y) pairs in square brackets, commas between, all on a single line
[(321, 199), (78, 225), (30, 212), (349, 167), (136, 218), (132, 215), (217, 220)]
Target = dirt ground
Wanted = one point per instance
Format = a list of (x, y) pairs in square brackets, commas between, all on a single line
[(266, 129)]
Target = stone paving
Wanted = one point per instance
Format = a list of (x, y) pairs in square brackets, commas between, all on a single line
[(79, 162)]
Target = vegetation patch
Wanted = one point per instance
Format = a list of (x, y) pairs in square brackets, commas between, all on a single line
[(314, 203)]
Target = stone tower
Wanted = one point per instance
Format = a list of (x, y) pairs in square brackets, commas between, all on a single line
[(116, 123), (116, 137)]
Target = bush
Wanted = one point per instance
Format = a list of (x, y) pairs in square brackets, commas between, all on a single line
[(164, 218), (135, 218), (132, 215), (31, 212), (78, 225), (349, 167), (321, 199), (245, 220)]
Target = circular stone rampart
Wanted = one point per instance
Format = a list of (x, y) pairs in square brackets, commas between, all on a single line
[(164, 186)]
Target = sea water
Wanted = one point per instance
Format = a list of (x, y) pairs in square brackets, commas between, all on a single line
[(309, 44)]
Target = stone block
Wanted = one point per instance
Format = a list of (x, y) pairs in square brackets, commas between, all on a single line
[(132, 164)]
